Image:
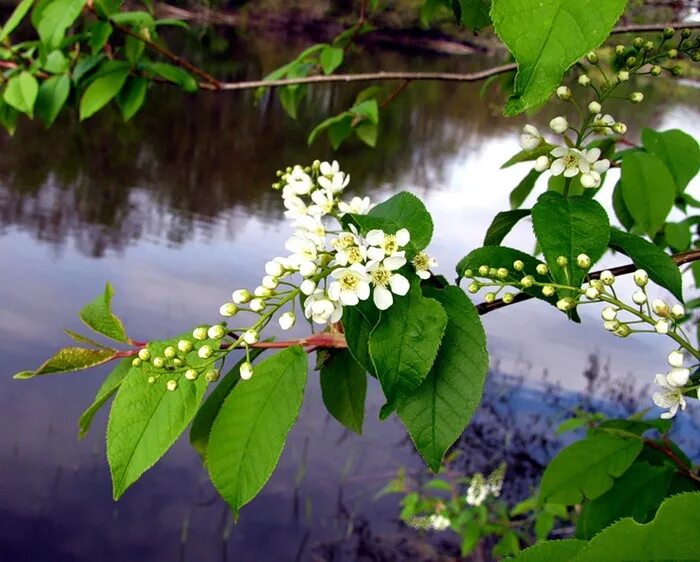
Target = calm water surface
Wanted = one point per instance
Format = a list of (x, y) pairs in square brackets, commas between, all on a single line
[(175, 210)]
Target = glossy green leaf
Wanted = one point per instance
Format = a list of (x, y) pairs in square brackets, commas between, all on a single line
[(56, 17), (546, 38), (132, 95), (70, 359), (343, 388), (648, 190), (621, 211), (137, 18), (678, 150), (175, 74), (108, 389), (404, 344), (8, 116), (677, 235), (502, 224), (551, 551), (101, 91), (645, 255), (98, 315), (358, 322), (203, 420), (51, 98), (637, 493), (587, 468), (330, 59), (367, 133), (439, 410), (472, 14), (570, 227), (15, 18), (21, 92), (406, 210), (249, 433), (523, 189), (99, 34), (528, 155), (133, 49), (672, 535), (56, 62)]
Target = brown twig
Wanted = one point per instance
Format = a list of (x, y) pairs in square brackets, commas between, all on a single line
[(666, 450)]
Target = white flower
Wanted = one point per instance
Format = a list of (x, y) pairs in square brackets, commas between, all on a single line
[(607, 277), (270, 282), (295, 206), (274, 268), (386, 282), (542, 163), (602, 124), (303, 249), (251, 337), (660, 307), (567, 161), (675, 358), (228, 309), (351, 255), (257, 304), (584, 80), (351, 285), (661, 327), (324, 202), (641, 278), (530, 138), (311, 228), (383, 244), (594, 107), (241, 296), (422, 262), (246, 370), (678, 376), (639, 297), (677, 311), (329, 168), (438, 522), (357, 206), (592, 177), (592, 293), (478, 490), (299, 182), (559, 124), (287, 320), (564, 93), (319, 308), (609, 313), (335, 183), (307, 286), (671, 397), (571, 162)]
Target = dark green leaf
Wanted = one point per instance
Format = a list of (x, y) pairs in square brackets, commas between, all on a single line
[(131, 96), (678, 150), (98, 315), (621, 211), (343, 387), (108, 388), (133, 49), (358, 322), (8, 116), (502, 224), (52, 96), (473, 14), (137, 19), (677, 235), (99, 34), (70, 359), (101, 91), (523, 189)]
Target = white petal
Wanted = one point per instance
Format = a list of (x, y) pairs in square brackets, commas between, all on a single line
[(348, 298), (325, 183), (375, 237), (382, 298), (532, 130), (403, 237), (399, 284), (363, 291), (570, 172), (593, 154), (337, 314), (394, 262), (601, 166), (560, 151), (375, 253), (678, 376), (557, 167), (334, 291)]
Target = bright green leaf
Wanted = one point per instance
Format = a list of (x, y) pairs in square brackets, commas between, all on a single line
[(343, 388), (550, 551), (137, 19), (330, 59), (131, 96), (15, 18), (249, 433), (56, 17), (133, 49), (546, 38), (367, 133), (99, 34), (98, 315), (677, 235), (21, 92), (502, 224), (358, 322), (407, 211), (52, 96), (174, 74), (108, 388), (101, 91), (70, 359), (678, 150), (368, 109)]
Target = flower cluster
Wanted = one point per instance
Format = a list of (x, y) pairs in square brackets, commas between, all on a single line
[(480, 488)]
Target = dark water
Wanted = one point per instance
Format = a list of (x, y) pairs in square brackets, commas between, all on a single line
[(175, 210)]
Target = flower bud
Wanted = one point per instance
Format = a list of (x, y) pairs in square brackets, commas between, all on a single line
[(250, 337), (274, 268), (619, 128), (636, 97), (468, 273), (660, 307), (638, 42), (200, 333), (269, 282), (592, 293), (583, 261), (649, 46), (246, 371), (158, 362), (685, 33), (169, 352), (562, 261), (548, 291), (668, 32), (490, 297), (177, 362), (527, 281), (212, 375), (257, 304), (695, 57), (623, 76), (151, 380), (185, 346), (661, 327), (542, 163), (191, 374), (559, 124), (205, 352), (622, 331), (307, 269), (677, 311), (144, 354), (595, 108), (136, 362), (678, 376), (483, 270), (597, 284), (609, 313), (216, 332), (566, 303), (564, 93), (584, 80), (675, 358), (620, 50), (261, 291), (655, 70), (287, 320), (228, 309), (518, 265), (611, 325), (508, 298), (542, 269), (241, 296), (607, 277), (677, 71), (307, 286), (592, 57), (171, 385), (493, 272), (639, 297), (473, 288), (672, 53), (631, 61), (502, 273), (641, 278)]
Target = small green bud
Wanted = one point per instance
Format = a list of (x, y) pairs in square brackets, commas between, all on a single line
[(144, 354), (483, 270), (200, 333), (251, 337), (468, 273), (542, 269), (493, 272), (619, 128), (595, 108), (158, 362), (151, 380), (185, 346), (518, 265), (677, 71), (527, 281), (562, 261), (136, 362), (171, 385), (672, 53), (216, 332), (490, 297), (623, 330), (548, 291), (607, 277), (592, 57), (638, 42), (655, 70), (685, 33), (623, 76), (212, 375), (177, 362), (583, 261), (584, 80), (648, 46), (205, 352), (620, 50), (631, 61), (502, 273), (668, 32), (228, 309), (695, 56), (169, 352), (636, 97), (564, 93), (508, 298), (191, 374), (473, 288), (566, 303)]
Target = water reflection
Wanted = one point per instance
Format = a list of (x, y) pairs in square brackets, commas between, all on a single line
[(176, 206)]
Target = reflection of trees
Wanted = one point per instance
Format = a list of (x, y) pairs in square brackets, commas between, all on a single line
[(185, 161)]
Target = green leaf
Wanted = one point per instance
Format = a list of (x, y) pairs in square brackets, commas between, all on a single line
[(404, 344), (146, 418), (648, 190), (502, 224), (101, 91), (137, 19), (98, 316), (406, 210), (99, 34), (587, 468), (133, 49), (203, 420), (678, 235), (108, 388), (56, 62), (8, 116), (672, 535), (645, 255), (637, 493), (56, 17), (249, 433), (132, 95), (21, 92), (330, 59), (83, 339), (368, 109), (678, 150), (523, 189), (473, 14), (572, 424), (546, 38), (636, 426), (569, 227), (528, 155), (344, 387), (358, 322), (15, 18), (51, 98), (70, 359), (439, 410), (621, 211), (551, 551), (174, 74), (367, 133)]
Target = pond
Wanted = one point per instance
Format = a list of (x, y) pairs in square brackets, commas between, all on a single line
[(175, 210)]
